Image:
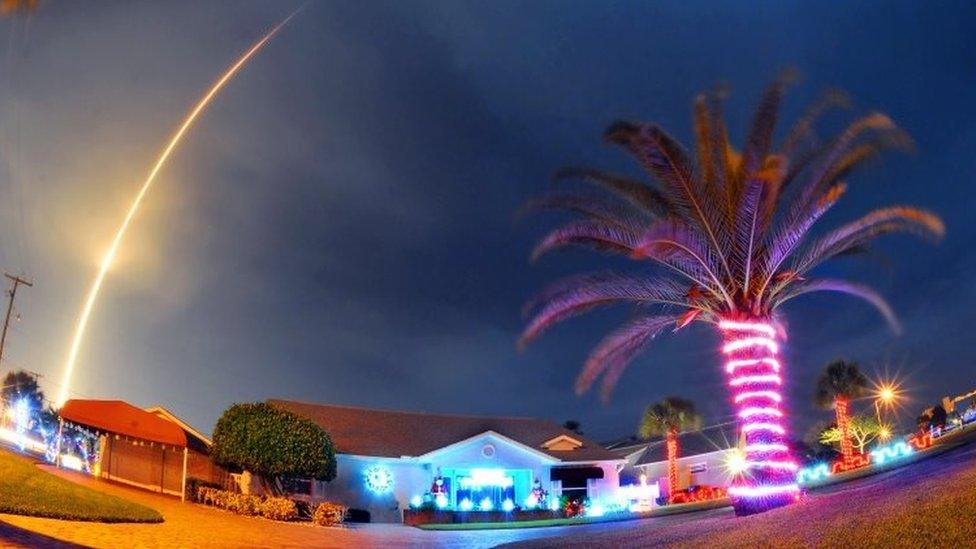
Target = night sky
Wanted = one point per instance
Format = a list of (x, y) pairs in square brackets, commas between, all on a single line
[(340, 226)]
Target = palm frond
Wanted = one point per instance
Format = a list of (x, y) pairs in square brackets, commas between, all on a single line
[(612, 355), (802, 129), (595, 207), (849, 288), (673, 242), (877, 223), (599, 235), (577, 295), (638, 193), (664, 157)]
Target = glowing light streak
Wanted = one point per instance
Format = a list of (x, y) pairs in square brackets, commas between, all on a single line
[(762, 491), (766, 447), (760, 327), (748, 342), (117, 240), (769, 464), (768, 378), (732, 365), (893, 451), (770, 395), (772, 427), (812, 473), (750, 412)]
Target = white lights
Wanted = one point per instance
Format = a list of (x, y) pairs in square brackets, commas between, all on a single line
[(732, 365), (486, 505), (769, 378), (508, 505), (771, 427), (754, 411), (416, 501), (769, 395), (465, 505), (487, 477), (72, 462), (595, 510), (378, 479), (748, 342), (441, 501), (762, 491), (22, 440), (531, 502), (757, 327)]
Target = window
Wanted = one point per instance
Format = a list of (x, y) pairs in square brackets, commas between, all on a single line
[(698, 467)]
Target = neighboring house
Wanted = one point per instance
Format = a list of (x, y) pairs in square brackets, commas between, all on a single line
[(150, 449), (386, 459), (703, 458)]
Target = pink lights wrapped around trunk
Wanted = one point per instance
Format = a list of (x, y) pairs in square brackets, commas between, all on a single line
[(753, 368)]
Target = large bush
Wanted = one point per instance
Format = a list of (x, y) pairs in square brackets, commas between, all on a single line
[(273, 443)]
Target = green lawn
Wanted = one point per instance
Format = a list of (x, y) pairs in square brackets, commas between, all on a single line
[(26, 490)]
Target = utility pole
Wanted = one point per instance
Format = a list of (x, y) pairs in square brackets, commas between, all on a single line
[(17, 281)]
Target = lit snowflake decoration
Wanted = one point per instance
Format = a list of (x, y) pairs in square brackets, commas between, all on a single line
[(379, 479)]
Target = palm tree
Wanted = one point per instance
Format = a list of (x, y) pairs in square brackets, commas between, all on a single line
[(723, 243), (667, 418), (862, 430), (840, 383)]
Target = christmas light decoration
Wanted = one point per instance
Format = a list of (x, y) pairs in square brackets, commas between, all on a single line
[(378, 479), (75, 463), (749, 412), (893, 451), (531, 502), (732, 365), (416, 501), (920, 442), (465, 505), (765, 473), (486, 505), (812, 473), (508, 505), (750, 395), (441, 501), (857, 461)]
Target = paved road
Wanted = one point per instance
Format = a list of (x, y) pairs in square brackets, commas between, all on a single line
[(189, 525)]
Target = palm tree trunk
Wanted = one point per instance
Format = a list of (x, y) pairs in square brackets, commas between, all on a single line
[(844, 425), (672, 447), (754, 371)]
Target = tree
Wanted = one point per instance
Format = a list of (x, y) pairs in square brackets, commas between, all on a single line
[(22, 384), (668, 418), (726, 240), (862, 430), (840, 383), (272, 443), (574, 426)]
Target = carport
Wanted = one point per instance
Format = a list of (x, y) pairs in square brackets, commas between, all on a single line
[(136, 447)]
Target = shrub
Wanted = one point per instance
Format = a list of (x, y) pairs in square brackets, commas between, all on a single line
[(193, 485), (329, 514), (279, 509), (244, 504), (271, 442)]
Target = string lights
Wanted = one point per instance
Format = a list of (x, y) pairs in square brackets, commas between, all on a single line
[(768, 471)]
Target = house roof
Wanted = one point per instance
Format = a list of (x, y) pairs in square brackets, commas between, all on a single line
[(194, 439), (116, 416), (387, 433), (691, 443)]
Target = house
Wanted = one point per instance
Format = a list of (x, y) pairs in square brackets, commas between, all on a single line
[(150, 449), (389, 460), (705, 458)]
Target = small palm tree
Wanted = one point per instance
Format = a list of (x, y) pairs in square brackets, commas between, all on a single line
[(840, 383), (667, 418), (723, 241)]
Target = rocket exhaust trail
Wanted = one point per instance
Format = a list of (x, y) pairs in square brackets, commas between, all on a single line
[(160, 162)]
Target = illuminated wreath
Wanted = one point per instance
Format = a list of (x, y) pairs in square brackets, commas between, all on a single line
[(379, 479)]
